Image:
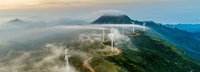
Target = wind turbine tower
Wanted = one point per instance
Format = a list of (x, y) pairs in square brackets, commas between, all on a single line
[(144, 24), (67, 59), (112, 40), (103, 34), (133, 27)]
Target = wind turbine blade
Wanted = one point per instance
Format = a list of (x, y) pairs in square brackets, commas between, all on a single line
[(103, 35), (112, 40)]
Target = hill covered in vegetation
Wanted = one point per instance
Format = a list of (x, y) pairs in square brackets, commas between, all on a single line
[(146, 54)]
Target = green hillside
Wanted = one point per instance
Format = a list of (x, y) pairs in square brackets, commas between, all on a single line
[(147, 54)]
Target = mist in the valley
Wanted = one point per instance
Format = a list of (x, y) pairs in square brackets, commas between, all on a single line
[(39, 47)]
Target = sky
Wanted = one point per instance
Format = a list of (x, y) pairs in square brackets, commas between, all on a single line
[(160, 11)]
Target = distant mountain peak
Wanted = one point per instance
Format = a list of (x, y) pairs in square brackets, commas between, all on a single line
[(113, 14), (113, 19), (16, 21)]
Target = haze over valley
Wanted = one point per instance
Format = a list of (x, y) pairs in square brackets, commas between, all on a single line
[(99, 36)]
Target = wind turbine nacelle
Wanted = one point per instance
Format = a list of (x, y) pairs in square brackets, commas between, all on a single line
[(67, 56)]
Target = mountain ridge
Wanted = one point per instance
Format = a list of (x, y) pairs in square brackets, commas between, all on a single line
[(184, 40), (16, 20), (113, 19)]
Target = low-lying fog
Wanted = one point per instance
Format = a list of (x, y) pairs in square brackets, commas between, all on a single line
[(37, 48)]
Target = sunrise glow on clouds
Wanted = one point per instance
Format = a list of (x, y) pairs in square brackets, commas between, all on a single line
[(20, 4), (165, 11)]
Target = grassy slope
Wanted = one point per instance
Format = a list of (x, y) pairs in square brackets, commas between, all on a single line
[(153, 56), (148, 55)]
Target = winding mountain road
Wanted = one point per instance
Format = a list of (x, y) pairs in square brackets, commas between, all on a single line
[(87, 65)]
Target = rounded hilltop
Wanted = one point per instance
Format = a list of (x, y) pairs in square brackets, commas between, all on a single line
[(113, 19), (16, 20)]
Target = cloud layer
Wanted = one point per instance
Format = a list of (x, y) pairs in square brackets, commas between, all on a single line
[(18, 4), (44, 60)]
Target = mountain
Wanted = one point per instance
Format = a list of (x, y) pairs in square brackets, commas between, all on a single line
[(19, 21), (184, 40), (186, 27), (19, 24), (160, 49), (146, 54), (188, 42), (113, 19), (48, 50), (151, 54)]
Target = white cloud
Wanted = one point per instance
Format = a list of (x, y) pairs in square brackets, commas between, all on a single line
[(46, 61), (118, 37)]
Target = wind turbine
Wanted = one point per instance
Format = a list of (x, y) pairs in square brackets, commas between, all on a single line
[(133, 27), (67, 59), (144, 28), (112, 40), (103, 34)]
